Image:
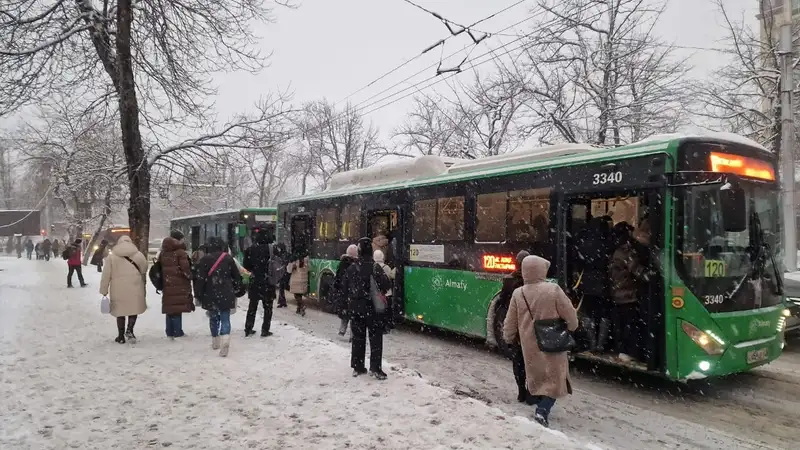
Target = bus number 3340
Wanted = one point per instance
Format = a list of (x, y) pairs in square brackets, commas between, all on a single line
[(607, 178), (713, 299)]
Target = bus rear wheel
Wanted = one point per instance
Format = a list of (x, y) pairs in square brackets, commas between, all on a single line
[(324, 293), (500, 313)]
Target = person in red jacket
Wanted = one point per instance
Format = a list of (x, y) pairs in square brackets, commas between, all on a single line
[(73, 256)]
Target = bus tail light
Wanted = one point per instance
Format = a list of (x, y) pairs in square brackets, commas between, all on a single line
[(710, 343)]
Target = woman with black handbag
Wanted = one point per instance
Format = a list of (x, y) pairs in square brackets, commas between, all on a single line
[(541, 318)]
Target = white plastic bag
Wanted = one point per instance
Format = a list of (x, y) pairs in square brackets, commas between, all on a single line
[(105, 305)]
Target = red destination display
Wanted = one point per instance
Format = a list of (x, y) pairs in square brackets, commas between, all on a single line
[(499, 262)]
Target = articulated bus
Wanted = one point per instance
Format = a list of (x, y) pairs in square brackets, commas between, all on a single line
[(711, 204), (237, 227)]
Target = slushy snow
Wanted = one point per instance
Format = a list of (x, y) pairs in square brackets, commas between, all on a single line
[(65, 384)]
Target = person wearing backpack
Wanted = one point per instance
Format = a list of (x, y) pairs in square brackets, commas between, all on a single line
[(73, 256), (123, 283), (366, 284), (217, 282), (175, 272), (257, 261)]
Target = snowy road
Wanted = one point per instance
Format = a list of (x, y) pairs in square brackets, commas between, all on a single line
[(750, 411), (65, 384)]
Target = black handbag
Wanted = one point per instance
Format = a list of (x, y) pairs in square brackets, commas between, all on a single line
[(552, 335)]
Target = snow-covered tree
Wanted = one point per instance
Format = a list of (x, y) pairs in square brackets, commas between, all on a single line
[(594, 71), (334, 140), (76, 158), (743, 96), (154, 59)]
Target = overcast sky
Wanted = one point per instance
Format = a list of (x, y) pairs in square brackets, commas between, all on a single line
[(331, 48)]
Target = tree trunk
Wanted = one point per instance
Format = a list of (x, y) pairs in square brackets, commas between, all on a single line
[(137, 168)]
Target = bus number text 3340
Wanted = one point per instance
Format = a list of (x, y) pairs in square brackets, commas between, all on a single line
[(607, 178)]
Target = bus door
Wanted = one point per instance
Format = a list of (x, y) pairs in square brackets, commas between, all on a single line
[(194, 238), (577, 217), (233, 242), (640, 211), (301, 228), (384, 226)]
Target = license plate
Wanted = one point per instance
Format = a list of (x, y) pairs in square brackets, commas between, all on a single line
[(756, 356)]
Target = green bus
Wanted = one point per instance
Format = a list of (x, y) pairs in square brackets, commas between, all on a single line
[(711, 204), (237, 227)]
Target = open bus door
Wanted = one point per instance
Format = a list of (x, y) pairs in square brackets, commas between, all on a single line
[(388, 223), (300, 232), (634, 208), (578, 213)]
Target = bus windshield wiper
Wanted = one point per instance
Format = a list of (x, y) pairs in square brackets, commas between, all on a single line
[(763, 247)]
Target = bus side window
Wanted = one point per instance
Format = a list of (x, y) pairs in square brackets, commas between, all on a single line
[(424, 220), (529, 223)]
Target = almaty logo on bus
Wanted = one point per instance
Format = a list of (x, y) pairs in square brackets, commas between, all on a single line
[(438, 283)]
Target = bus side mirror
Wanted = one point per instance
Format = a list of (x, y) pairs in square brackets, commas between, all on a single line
[(734, 209)]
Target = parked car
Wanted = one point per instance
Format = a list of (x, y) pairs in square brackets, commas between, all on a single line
[(791, 286)]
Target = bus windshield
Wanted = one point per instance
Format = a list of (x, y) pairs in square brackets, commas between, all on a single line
[(730, 270)]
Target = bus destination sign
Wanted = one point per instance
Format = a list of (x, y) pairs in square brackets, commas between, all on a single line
[(499, 262), (741, 165)]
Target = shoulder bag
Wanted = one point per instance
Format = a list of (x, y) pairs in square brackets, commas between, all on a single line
[(552, 335)]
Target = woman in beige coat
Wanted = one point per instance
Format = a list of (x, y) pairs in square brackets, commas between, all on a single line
[(298, 282), (123, 283), (547, 374)]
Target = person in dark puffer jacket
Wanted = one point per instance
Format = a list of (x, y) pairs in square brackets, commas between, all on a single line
[(217, 280), (176, 270), (337, 290), (261, 288), (362, 311)]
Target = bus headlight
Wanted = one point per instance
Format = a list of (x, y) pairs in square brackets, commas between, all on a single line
[(706, 340), (787, 313)]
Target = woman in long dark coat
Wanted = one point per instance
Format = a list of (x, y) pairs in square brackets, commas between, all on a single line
[(176, 298), (99, 255)]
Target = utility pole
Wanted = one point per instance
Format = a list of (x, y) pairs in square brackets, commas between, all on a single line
[(787, 138)]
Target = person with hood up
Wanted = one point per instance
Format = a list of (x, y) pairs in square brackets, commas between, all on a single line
[(99, 255), (340, 299), (511, 282), (29, 248), (47, 247), (56, 248), (298, 282), (546, 374), (176, 270), (262, 283), (73, 256), (364, 318), (278, 264), (217, 280), (388, 316), (123, 283)]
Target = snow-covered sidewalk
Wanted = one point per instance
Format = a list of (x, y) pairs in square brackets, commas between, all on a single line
[(64, 383)]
